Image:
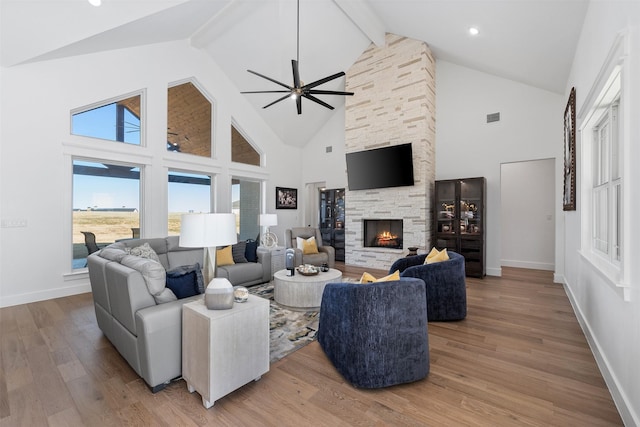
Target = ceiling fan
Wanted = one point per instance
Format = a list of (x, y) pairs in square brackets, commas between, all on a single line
[(300, 90)]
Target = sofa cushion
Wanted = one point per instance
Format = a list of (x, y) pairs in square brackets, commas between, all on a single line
[(154, 276), (113, 253), (193, 270), (224, 256), (184, 257), (241, 273), (307, 246), (237, 251), (185, 281), (251, 251), (436, 256), (143, 251), (368, 278)]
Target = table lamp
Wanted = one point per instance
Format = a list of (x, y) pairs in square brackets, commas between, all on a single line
[(269, 239), (208, 231)]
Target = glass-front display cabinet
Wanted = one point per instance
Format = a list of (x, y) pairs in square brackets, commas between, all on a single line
[(459, 220), (332, 220)]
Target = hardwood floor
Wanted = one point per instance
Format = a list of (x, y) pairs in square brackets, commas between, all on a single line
[(520, 358)]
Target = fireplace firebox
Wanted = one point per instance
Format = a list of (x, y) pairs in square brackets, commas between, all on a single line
[(383, 233)]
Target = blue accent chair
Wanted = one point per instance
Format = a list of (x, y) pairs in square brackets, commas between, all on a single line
[(376, 334), (445, 281)]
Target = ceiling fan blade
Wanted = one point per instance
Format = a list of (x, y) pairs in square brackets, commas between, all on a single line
[(270, 79), (277, 100), (299, 104), (322, 81), (316, 100), (327, 92), (296, 74), (267, 91)]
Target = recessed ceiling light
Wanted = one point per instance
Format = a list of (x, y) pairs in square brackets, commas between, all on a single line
[(474, 31), (95, 3)]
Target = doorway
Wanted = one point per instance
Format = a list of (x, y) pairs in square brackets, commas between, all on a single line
[(527, 230)]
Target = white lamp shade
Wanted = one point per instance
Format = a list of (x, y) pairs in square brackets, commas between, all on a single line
[(207, 230), (268, 219)]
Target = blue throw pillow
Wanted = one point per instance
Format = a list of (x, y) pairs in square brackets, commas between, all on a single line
[(185, 281), (250, 252)]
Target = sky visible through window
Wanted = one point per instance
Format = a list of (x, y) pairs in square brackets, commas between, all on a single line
[(100, 192), (101, 123)]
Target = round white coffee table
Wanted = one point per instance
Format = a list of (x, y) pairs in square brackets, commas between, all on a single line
[(303, 292)]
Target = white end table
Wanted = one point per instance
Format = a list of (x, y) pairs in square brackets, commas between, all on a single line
[(222, 350), (300, 291)]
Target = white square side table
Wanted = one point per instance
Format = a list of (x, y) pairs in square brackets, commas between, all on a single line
[(222, 350)]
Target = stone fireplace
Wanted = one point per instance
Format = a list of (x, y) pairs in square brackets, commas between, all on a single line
[(393, 103), (382, 233)]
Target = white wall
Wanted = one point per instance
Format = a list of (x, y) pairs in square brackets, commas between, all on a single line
[(611, 324), (527, 212), (530, 127), (321, 168), (317, 164), (37, 147)]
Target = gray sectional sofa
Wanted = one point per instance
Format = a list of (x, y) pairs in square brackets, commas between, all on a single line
[(140, 315)]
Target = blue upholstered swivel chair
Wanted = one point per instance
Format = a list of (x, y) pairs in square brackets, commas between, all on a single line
[(445, 281), (376, 334)]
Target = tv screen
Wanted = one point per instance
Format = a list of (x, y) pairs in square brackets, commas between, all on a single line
[(380, 168)]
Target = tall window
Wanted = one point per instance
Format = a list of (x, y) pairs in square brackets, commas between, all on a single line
[(246, 205), (607, 181), (114, 121), (606, 171), (106, 205), (188, 193), (188, 120)]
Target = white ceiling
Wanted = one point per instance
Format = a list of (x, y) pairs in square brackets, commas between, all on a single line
[(530, 41)]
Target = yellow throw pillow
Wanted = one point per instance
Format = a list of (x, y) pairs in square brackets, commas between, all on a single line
[(433, 253), (368, 278), (307, 246), (436, 256), (224, 256)]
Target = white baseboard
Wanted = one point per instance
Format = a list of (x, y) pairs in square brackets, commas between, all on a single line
[(44, 295), (492, 271), (528, 264), (621, 400)]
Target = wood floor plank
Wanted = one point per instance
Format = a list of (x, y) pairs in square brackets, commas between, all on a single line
[(518, 359)]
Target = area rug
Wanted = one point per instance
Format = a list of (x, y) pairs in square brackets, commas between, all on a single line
[(290, 330)]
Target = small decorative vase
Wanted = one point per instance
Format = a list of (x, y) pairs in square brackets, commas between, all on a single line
[(219, 295)]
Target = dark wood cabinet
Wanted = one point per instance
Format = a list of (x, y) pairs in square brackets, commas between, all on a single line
[(459, 220), (332, 220)]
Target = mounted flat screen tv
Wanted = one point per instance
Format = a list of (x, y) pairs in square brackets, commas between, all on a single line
[(380, 168)]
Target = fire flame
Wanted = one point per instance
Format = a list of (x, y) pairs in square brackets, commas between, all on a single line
[(386, 235)]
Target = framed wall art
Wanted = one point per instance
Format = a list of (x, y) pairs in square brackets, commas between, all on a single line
[(569, 193), (286, 198)]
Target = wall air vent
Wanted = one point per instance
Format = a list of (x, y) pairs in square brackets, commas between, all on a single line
[(328, 149), (494, 117)]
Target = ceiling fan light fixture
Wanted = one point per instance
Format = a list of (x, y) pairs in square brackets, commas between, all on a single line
[(299, 89)]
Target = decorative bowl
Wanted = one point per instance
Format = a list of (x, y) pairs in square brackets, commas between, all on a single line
[(307, 270)]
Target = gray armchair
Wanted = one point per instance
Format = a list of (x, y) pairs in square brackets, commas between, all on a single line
[(326, 254)]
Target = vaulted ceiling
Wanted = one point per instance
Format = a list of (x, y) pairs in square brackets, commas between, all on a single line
[(529, 41)]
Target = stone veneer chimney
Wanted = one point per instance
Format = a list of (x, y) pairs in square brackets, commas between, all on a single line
[(393, 103)]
